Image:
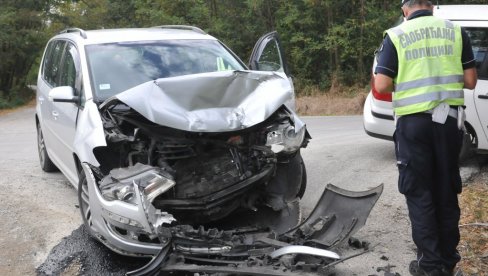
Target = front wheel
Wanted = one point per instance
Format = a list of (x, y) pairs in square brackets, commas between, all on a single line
[(46, 164), (303, 184), (84, 203)]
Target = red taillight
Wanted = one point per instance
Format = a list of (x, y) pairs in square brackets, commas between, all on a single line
[(386, 97)]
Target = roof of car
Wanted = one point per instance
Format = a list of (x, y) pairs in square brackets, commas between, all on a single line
[(134, 34), (462, 12)]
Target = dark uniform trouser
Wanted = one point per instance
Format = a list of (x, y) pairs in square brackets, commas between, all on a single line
[(427, 158)]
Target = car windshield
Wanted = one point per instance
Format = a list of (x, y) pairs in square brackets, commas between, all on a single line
[(116, 67)]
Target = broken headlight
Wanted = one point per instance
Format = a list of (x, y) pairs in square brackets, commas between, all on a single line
[(285, 138), (121, 184), (119, 191), (157, 185)]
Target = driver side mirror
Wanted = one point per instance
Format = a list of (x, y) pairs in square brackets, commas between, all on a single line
[(63, 94)]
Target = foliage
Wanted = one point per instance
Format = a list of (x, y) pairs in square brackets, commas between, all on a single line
[(328, 43), (21, 41)]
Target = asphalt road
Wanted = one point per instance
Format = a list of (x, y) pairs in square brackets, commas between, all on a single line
[(38, 210)]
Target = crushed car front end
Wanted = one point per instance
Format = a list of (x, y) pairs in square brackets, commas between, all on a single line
[(157, 170)]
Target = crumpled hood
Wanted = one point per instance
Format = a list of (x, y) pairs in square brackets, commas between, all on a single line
[(210, 102)]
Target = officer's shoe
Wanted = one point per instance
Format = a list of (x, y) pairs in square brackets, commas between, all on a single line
[(416, 270)]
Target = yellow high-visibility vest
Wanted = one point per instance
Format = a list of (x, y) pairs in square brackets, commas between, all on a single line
[(429, 64)]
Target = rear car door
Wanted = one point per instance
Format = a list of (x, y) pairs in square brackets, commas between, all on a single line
[(48, 80)]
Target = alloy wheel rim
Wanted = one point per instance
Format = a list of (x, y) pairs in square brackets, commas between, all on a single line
[(85, 204), (41, 146)]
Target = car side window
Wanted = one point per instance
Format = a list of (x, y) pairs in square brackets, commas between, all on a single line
[(68, 68), (70, 72), (51, 63), (479, 42), (47, 58), (270, 58)]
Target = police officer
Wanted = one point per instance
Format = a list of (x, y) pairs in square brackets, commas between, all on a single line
[(427, 62)]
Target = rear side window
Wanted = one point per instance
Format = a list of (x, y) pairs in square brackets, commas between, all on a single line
[(479, 42), (52, 60)]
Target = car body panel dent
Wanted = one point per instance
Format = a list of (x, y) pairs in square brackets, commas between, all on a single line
[(89, 133), (210, 102)]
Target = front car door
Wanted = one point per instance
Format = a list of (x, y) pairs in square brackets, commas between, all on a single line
[(268, 55), (65, 115), (65, 122)]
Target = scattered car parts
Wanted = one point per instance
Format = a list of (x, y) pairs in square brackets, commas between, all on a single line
[(253, 251)]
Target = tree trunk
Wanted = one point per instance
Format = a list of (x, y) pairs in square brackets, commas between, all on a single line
[(361, 40)]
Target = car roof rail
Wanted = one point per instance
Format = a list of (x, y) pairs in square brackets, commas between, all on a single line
[(182, 27), (74, 30)]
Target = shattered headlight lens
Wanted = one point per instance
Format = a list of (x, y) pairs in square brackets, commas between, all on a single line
[(119, 191), (157, 185), (285, 139), (149, 183)]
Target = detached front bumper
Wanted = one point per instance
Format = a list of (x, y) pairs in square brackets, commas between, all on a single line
[(303, 250)]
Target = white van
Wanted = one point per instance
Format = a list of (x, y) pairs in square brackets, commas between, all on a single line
[(378, 111)]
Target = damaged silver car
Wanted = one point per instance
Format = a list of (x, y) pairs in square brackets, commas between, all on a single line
[(181, 151)]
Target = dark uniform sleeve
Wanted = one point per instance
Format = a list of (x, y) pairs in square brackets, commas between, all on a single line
[(387, 59), (467, 57)]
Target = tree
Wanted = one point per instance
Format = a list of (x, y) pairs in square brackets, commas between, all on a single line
[(21, 41), (326, 42)]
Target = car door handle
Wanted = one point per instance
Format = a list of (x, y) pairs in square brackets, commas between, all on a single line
[(484, 97)]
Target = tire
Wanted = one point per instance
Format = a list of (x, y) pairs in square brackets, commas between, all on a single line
[(84, 203), (303, 185), (46, 164), (470, 143)]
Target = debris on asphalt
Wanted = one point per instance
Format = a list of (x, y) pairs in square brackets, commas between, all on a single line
[(387, 270), (356, 243)]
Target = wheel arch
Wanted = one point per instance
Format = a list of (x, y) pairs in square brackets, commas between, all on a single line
[(79, 169), (469, 143), (470, 129)]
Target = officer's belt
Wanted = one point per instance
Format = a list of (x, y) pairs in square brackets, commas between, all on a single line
[(452, 112)]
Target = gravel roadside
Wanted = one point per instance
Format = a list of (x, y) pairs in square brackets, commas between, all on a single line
[(36, 208)]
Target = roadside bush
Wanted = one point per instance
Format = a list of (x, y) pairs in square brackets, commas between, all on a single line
[(19, 96)]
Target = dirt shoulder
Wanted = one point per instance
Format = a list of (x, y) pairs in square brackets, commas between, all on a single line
[(331, 104), (474, 225)]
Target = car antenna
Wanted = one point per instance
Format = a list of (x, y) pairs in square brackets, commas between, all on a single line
[(438, 4)]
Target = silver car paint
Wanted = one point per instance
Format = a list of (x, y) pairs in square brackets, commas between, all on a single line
[(98, 205), (89, 133), (211, 102)]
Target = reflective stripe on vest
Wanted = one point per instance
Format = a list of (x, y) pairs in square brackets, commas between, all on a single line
[(429, 64), (438, 96)]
